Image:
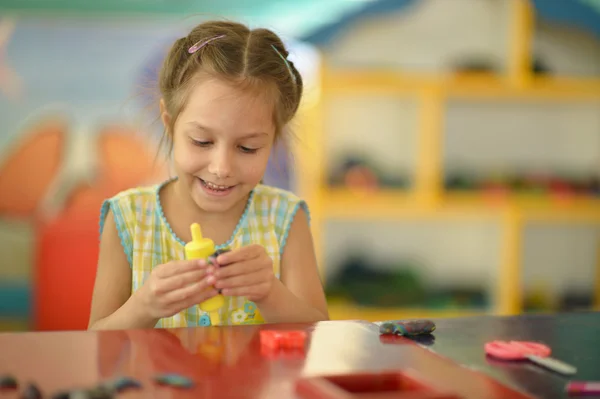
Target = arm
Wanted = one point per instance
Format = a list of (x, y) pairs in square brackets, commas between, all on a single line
[(113, 307), (299, 295)]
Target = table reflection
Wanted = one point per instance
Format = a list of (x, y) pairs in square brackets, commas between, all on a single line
[(222, 362)]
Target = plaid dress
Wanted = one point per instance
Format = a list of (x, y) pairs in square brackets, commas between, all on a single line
[(148, 241)]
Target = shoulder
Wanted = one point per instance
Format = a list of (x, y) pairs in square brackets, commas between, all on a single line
[(277, 201), (132, 201), (133, 196), (280, 207), (276, 197), (127, 206)]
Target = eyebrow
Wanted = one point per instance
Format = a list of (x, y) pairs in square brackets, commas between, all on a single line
[(207, 129)]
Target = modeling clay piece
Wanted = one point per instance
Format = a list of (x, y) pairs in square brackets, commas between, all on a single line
[(99, 392), (8, 382), (174, 380), (407, 328), (123, 383), (31, 392), (203, 248), (212, 260), (62, 395), (423, 340), (283, 339), (94, 393)]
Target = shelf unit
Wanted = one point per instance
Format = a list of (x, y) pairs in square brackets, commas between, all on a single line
[(427, 198)]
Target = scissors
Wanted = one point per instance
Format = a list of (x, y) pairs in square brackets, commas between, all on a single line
[(532, 351)]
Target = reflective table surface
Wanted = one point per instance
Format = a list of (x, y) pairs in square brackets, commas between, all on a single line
[(229, 362)]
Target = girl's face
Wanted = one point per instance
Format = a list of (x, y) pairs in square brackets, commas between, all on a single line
[(221, 144)]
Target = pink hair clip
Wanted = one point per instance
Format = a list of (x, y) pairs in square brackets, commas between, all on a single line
[(197, 46)]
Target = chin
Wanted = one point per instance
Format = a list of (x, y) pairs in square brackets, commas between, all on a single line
[(210, 201)]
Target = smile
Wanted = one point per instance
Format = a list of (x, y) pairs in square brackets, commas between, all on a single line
[(217, 189)]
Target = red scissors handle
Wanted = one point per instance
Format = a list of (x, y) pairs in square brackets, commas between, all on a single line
[(513, 350)]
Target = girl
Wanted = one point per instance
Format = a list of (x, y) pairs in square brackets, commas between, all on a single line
[(227, 93)]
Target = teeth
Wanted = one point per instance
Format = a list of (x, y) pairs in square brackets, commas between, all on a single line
[(214, 186)]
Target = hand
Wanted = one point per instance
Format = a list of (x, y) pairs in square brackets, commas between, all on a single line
[(175, 286), (248, 272)]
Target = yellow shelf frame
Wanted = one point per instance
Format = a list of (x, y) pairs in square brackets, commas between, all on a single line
[(472, 86), (427, 199)]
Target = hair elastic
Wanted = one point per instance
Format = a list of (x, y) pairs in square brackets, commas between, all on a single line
[(198, 45), (287, 64)]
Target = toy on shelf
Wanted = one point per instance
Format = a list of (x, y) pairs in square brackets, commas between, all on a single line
[(361, 174), (365, 282), (549, 183), (204, 248)]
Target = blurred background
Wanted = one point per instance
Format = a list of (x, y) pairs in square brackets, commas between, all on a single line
[(449, 150)]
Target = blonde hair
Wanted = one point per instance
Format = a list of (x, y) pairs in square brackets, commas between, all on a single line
[(254, 59)]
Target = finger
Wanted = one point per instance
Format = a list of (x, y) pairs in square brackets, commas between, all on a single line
[(237, 269), (179, 281), (202, 295), (238, 255), (247, 291), (241, 280), (195, 298), (178, 267), (192, 290)]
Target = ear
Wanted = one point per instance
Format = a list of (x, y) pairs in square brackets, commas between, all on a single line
[(164, 115)]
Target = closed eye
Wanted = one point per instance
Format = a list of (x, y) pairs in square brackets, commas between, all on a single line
[(248, 150), (200, 143)]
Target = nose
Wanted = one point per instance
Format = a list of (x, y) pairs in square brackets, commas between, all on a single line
[(220, 163)]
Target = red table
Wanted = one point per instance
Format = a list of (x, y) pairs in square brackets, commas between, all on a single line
[(229, 362)]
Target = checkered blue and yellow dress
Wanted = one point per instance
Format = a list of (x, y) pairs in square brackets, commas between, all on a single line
[(149, 241)]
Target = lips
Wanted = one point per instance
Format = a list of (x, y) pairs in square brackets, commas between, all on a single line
[(213, 186), (215, 189)]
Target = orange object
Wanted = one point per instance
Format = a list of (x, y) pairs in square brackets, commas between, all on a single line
[(283, 339), (67, 254), (26, 172), (68, 244)]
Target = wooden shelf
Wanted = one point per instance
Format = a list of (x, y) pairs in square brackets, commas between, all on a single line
[(426, 200), (388, 204), (340, 203), (475, 86), (357, 204), (532, 207), (539, 88)]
